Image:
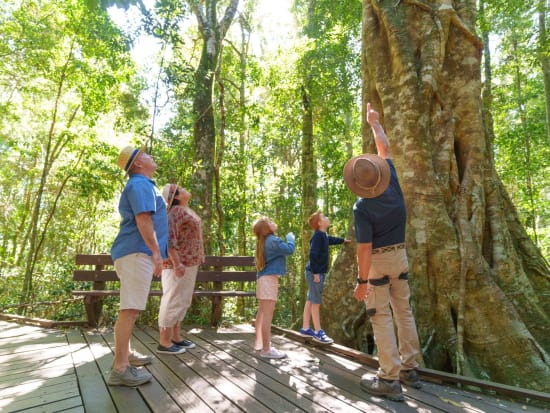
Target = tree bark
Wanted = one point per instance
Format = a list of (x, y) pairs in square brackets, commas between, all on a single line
[(204, 131), (480, 286)]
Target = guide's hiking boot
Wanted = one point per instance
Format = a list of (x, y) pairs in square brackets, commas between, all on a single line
[(184, 343), (137, 359), (391, 389), (131, 377), (410, 378), (173, 349), (321, 337)]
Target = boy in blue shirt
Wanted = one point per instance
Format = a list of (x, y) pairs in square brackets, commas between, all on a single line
[(316, 269)]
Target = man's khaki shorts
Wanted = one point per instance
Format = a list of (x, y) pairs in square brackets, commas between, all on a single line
[(135, 272)]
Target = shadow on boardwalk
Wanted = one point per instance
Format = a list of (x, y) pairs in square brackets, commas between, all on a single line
[(44, 370)]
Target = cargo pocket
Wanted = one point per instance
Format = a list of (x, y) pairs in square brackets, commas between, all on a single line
[(371, 296)]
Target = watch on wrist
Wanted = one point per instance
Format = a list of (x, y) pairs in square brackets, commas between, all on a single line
[(361, 281)]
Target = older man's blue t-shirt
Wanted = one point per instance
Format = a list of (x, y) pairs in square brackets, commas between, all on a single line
[(382, 220), (140, 195)]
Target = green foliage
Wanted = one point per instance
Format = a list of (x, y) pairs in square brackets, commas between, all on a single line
[(62, 79), (66, 74), (521, 147)]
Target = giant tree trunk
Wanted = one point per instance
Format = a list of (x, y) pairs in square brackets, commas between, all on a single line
[(480, 287), (204, 131)]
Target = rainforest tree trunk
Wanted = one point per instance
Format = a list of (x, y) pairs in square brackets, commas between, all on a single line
[(204, 131), (421, 72)]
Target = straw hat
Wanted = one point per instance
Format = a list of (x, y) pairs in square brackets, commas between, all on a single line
[(367, 175), (169, 193), (127, 157)]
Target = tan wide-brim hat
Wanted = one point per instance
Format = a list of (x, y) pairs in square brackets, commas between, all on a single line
[(127, 157), (169, 193), (367, 175)]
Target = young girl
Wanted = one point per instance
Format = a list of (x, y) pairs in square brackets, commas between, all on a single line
[(271, 252)]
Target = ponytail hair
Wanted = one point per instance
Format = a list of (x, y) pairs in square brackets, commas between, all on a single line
[(262, 231)]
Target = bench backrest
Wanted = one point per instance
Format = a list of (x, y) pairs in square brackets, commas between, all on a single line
[(214, 268)]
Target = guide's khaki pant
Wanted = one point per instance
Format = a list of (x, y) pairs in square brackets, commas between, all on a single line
[(389, 286)]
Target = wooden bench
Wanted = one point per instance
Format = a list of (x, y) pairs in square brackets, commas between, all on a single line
[(215, 270)]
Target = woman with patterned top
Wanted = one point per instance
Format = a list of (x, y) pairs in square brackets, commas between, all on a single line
[(186, 253)]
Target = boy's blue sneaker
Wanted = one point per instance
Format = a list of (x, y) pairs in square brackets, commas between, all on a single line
[(322, 338), (309, 332)]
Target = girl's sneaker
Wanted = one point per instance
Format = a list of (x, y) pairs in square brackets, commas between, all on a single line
[(273, 354), (322, 338)]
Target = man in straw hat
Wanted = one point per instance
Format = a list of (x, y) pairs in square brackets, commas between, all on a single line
[(382, 282), (138, 252)]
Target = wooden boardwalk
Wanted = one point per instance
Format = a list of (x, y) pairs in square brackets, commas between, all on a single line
[(45, 370)]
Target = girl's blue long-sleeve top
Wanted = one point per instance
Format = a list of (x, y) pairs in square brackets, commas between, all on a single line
[(318, 251), (276, 250)]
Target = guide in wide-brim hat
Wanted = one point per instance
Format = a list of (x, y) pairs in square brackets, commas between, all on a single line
[(127, 157), (367, 175)]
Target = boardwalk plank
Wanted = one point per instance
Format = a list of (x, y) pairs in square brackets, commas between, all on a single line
[(73, 404), (300, 392), (127, 399), (41, 396), (347, 374), (251, 383), (317, 389), (95, 395), (37, 373), (45, 370), (441, 397), (10, 331), (23, 388), (233, 393), (182, 396), (210, 395)]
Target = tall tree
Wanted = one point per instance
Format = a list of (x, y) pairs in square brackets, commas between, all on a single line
[(212, 32), (309, 160), (61, 60), (544, 57), (479, 283)]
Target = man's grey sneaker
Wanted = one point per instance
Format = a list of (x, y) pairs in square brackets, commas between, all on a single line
[(308, 333), (410, 378), (184, 343), (390, 389), (131, 377), (322, 338), (173, 349), (137, 359)]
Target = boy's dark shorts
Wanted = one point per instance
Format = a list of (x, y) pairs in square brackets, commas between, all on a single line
[(314, 290)]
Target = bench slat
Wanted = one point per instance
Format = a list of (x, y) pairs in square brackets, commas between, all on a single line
[(210, 261), (219, 270), (202, 276), (95, 275), (158, 293), (205, 276)]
